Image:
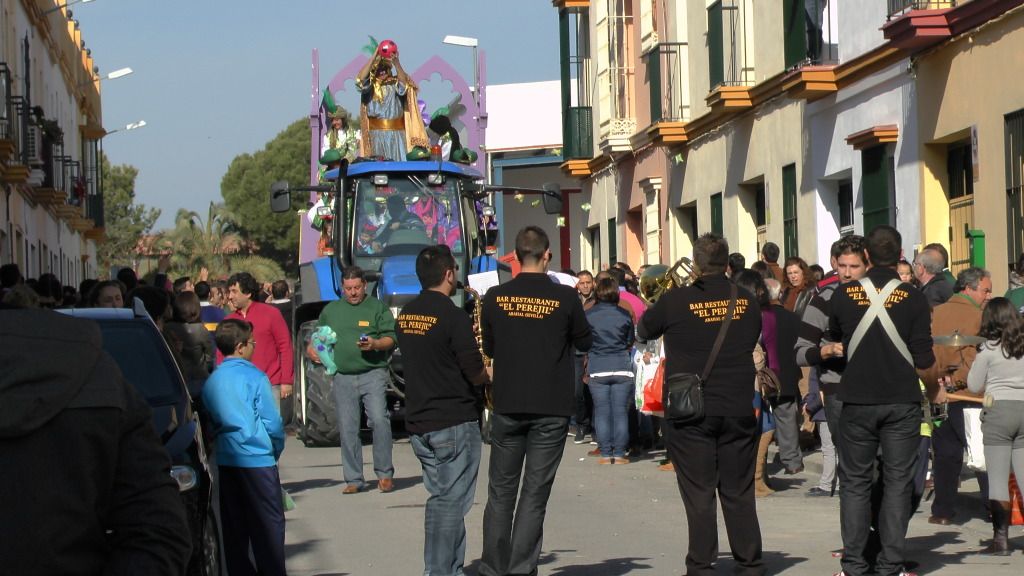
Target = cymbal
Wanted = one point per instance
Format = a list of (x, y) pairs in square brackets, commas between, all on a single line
[(957, 339)]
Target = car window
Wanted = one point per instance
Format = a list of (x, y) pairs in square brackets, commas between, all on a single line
[(140, 351)]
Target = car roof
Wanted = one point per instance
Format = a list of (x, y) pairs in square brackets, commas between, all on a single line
[(138, 312)]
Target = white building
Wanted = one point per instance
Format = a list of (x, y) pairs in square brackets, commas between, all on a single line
[(51, 212)]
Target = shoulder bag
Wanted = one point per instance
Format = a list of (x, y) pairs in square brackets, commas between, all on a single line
[(684, 393)]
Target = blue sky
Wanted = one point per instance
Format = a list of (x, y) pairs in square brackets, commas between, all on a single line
[(216, 78)]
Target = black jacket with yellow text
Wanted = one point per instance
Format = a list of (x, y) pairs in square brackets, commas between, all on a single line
[(530, 326)]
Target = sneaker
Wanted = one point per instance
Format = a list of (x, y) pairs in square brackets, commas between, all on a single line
[(604, 461), (818, 492), (594, 452), (580, 436), (621, 460)]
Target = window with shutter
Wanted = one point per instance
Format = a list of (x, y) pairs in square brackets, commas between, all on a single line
[(789, 202), (717, 224), (876, 186)]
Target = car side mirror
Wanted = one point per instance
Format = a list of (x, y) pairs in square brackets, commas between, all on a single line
[(280, 197), (552, 198)]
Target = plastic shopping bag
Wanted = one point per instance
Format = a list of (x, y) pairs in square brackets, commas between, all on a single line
[(1016, 503), (972, 433), (652, 392)]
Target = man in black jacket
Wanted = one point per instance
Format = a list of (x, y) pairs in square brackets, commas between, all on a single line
[(530, 327), (436, 338), (881, 400), (713, 457), (86, 487)]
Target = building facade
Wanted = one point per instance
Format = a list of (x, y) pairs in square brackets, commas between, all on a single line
[(794, 122), (51, 214)]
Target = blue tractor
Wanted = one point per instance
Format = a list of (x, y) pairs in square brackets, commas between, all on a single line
[(383, 214)]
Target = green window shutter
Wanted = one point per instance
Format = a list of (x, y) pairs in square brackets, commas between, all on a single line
[(875, 186), (716, 49), (1014, 143), (654, 81), (794, 25), (579, 130), (613, 244), (789, 196), (716, 215)]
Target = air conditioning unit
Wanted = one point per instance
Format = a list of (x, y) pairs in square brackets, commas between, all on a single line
[(34, 146)]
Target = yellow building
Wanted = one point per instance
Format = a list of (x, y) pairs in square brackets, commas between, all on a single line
[(50, 126), (970, 109)]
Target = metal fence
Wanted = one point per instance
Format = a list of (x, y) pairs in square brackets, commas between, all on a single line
[(899, 7), (667, 77)]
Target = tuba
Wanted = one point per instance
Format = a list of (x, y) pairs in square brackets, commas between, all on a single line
[(659, 278)]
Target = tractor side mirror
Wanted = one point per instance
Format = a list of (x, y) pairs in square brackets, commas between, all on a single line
[(552, 198), (280, 197)]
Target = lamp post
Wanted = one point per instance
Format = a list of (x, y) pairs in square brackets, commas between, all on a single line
[(65, 5), (119, 73), (127, 127), (479, 101), (469, 43)]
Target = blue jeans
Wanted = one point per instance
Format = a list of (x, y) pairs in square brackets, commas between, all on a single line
[(451, 460), (368, 388), (527, 447), (611, 395)]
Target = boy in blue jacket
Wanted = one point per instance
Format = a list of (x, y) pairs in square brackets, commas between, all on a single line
[(249, 440)]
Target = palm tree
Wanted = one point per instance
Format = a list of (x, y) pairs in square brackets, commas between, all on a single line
[(197, 244)]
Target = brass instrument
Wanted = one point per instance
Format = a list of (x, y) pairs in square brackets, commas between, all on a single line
[(478, 335), (659, 278)]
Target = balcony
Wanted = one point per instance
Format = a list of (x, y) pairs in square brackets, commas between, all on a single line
[(811, 33), (899, 8), (811, 82), (94, 209), (667, 78), (914, 25), (729, 99), (578, 133)]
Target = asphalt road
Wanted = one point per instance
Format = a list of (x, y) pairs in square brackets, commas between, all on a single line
[(601, 521)]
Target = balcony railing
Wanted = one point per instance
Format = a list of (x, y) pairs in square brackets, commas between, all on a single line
[(899, 7), (667, 77), (94, 209), (811, 32), (730, 49), (8, 125), (578, 133)]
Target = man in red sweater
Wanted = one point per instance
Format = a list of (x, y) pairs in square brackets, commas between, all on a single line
[(273, 355)]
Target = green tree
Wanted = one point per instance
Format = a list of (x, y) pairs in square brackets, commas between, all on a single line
[(196, 243), (262, 269), (245, 188), (126, 222)]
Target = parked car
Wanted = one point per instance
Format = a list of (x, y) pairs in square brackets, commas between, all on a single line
[(135, 343)]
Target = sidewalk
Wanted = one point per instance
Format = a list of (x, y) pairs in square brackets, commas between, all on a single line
[(601, 521)]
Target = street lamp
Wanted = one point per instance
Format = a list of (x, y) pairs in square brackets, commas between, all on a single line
[(65, 5), (468, 43), (119, 73), (127, 127)]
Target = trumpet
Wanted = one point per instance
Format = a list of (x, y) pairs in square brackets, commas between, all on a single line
[(659, 278), (478, 335)]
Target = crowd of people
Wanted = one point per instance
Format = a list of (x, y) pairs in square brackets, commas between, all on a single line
[(211, 328), (845, 358), (883, 361)]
